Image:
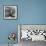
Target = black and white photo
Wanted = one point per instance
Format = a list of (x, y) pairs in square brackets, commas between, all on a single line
[(10, 12)]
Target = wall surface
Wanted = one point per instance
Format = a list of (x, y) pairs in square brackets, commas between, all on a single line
[(29, 12)]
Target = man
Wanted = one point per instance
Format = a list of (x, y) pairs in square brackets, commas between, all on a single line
[(9, 12)]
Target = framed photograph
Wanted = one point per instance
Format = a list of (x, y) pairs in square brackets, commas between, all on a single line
[(32, 32), (10, 12)]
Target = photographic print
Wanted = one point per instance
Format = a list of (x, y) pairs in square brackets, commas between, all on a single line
[(33, 32), (10, 12)]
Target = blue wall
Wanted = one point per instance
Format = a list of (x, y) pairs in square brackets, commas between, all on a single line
[(29, 12)]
